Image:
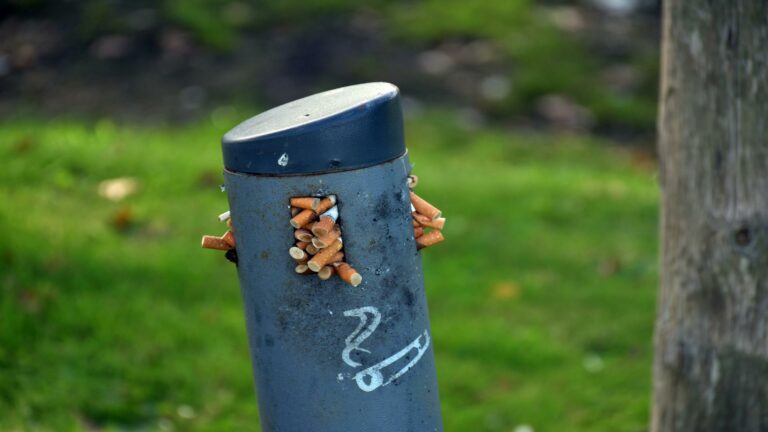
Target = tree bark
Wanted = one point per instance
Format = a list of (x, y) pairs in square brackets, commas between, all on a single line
[(711, 341)]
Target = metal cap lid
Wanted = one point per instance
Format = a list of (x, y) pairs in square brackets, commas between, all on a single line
[(337, 130)]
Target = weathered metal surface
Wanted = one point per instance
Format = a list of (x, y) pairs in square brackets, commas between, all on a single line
[(337, 130), (327, 356)]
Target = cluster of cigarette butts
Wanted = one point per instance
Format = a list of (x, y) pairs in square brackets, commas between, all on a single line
[(425, 217), (226, 242), (318, 247)]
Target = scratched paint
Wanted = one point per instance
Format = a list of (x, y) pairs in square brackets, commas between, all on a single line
[(283, 161), (371, 378)]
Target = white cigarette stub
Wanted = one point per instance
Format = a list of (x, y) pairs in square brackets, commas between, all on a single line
[(333, 213), (224, 216)]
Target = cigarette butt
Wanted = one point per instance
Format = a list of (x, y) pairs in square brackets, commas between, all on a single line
[(323, 256), (323, 226), (302, 245), (295, 211), (412, 181), (348, 274), (302, 218), (229, 237), (424, 207), (310, 203), (331, 212), (311, 249), (421, 219), (213, 242), (301, 269), (337, 257), (429, 239), (302, 235), (326, 204), (326, 272), (438, 223), (425, 221), (297, 253), (325, 240), (224, 216), (418, 232)]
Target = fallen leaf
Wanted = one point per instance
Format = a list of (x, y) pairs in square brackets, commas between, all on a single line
[(609, 266), (122, 219), (506, 290), (118, 189)]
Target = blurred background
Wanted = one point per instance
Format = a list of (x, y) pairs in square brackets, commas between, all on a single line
[(531, 124)]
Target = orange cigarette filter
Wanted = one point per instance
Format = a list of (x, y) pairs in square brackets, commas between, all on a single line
[(421, 219), (323, 256), (302, 245), (337, 257), (326, 204), (418, 232), (302, 235), (229, 237), (425, 208), (326, 272), (311, 249), (323, 226), (301, 219), (438, 223), (429, 239), (310, 203), (213, 242), (327, 239), (348, 274)]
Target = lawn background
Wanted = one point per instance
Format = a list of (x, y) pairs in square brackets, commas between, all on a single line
[(113, 318)]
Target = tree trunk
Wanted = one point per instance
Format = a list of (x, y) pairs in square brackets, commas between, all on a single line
[(711, 342)]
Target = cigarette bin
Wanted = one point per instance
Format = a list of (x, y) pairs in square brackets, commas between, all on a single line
[(328, 356)]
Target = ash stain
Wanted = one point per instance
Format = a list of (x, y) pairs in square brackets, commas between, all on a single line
[(408, 298), (390, 282), (383, 209)]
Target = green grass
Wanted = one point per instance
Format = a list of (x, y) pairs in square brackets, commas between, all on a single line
[(113, 318)]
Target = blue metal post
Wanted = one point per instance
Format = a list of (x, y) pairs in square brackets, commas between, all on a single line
[(328, 356)]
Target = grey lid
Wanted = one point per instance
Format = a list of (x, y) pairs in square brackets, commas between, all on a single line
[(342, 129)]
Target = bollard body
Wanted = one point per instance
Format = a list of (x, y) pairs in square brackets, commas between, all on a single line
[(328, 356)]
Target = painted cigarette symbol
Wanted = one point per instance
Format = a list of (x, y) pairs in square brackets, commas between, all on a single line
[(371, 378), (375, 378)]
